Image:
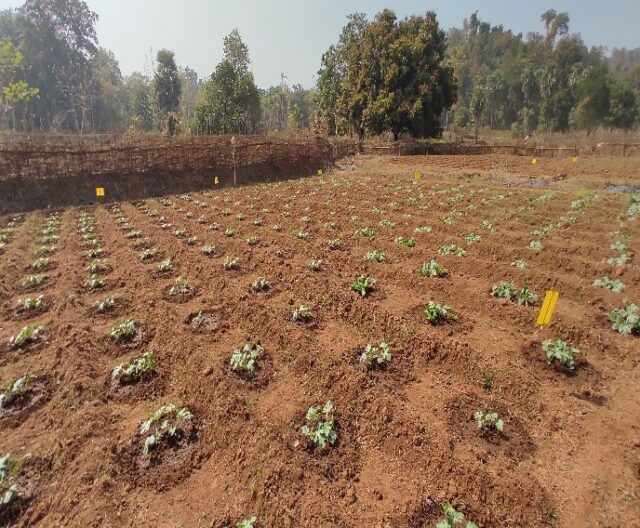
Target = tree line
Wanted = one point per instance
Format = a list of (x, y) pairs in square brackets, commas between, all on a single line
[(383, 75)]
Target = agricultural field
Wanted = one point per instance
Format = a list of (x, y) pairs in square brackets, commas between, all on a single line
[(355, 348)]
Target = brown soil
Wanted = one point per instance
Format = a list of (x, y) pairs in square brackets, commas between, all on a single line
[(569, 457)]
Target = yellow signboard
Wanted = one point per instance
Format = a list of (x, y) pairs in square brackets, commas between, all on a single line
[(319, 172), (534, 161), (99, 191), (216, 181), (417, 175), (574, 159), (548, 306)]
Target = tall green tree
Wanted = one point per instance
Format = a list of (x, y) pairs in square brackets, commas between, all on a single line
[(230, 101), (58, 39), (396, 79), (166, 82)]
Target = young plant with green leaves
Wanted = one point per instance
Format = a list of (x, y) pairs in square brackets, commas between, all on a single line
[(180, 287), (334, 243), (625, 320), (14, 390), (41, 263), (164, 266), (453, 518), (123, 331), (29, 304), (315, 265), (432, 269), (615, 285), (536, 245), (302, 313), (560, 353), (409, 242), (27, 335), (32, 281), (247, 523), (10, 469), (261, 284), (436, 313), (452, 249), (320, 428), (422, 230), (526, 296), (364, 285), (105, 304), (97, 266), (135, 370), (504, 290), (376, 356), (472, 238), (367, 232), (245, 360), (375, 256), (520, 264), (252, 241), (488, 421), (231, 263), (208, 250), (166, 424), (95, 283)]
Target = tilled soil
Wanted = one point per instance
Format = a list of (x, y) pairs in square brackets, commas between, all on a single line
[(570, 453)]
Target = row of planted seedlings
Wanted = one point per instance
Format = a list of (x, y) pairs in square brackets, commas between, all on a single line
[(30, 389), (8, 231), (36, 280), (625, 319)]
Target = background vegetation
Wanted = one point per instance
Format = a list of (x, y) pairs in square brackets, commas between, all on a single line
[(385, 75)]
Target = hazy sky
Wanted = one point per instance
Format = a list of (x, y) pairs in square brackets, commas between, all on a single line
[(290, 36)]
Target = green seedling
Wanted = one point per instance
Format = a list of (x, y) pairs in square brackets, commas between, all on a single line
[(303, 235), (135, 370), (95, 283), (32, 281), (208, 250), (536, 245), (105, 304), (97, 266), (375, 256), (260, 285), (375, 356), (432, 269), (504, 290), (625, 320), (164, 265), (452, 249), (148, 254), (40, 263), (367, 232), (422, 229), (10, 469), (167, 422), (526, 297), (231, 263), (559, 352), (252, 240), (27, 335), (180, 287), (520, 264), (489, 421), (472, 238), (608, 283), (13, 390), (334, 243), (302, 313), (320, 426), (29, 303), (406, 241), (437, 313), (245, 359), (315, 265), (123, 331), (452, 518), (364, 285)]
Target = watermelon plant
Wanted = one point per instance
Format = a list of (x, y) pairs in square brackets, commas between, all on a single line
[(436, 313), (561, 353), (364, 285), (625, 320), (375, 356), (320, 426), (166, 424), (245, 359)]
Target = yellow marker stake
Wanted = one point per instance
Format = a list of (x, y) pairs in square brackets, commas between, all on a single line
[(417, 175), (548, 305), (319, 172), (574, 159), (534, 161), (216, 181), (99, 191)]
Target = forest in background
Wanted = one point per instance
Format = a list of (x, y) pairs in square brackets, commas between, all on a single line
[(383, 76)]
